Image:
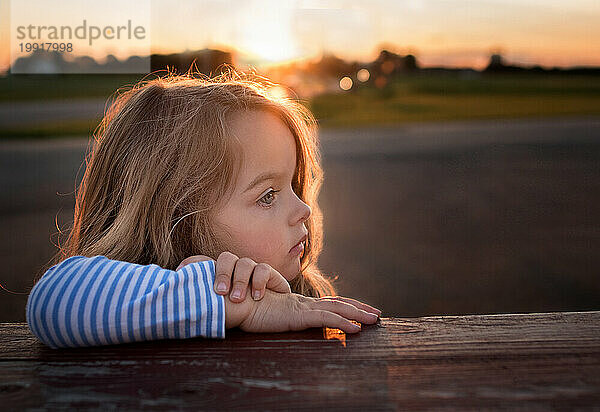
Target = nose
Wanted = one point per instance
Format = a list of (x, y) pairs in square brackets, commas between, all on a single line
[(303, 212), (307, 212)]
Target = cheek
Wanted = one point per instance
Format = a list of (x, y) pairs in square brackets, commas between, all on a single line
[(265, 244), (251, 239), (252, 233)]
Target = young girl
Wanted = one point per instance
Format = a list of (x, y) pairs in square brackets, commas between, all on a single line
[(183, 165)]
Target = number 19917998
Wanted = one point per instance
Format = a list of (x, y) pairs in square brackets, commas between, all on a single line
[(48, 46)]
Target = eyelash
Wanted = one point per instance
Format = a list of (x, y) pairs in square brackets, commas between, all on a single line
[(272, 191)]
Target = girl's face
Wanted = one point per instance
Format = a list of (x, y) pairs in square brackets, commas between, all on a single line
[(263, 218)]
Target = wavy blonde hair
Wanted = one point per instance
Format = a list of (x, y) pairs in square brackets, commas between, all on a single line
[(163, 157)]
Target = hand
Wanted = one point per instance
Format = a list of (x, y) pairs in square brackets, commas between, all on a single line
[(229, 265), (281, 312)]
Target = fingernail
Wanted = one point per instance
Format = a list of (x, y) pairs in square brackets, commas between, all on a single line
[(221, 287), (236, 294), (256, 295), (355, 326)]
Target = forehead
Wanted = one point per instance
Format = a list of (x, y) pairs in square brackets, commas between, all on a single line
[(267, 144)]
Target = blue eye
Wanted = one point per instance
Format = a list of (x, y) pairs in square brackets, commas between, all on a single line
[(269, 197)]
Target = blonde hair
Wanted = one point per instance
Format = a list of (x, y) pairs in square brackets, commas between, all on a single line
[(163, 158)]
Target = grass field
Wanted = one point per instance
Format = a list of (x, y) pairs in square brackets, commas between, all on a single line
[(420, 98), (452, 97), (72, 86)]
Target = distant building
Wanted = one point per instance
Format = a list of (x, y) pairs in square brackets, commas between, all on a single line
[(53, 62), (390, 64), (497, 65), (206, 61)]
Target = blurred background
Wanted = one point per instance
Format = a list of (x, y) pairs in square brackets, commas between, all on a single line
[(460, 139)]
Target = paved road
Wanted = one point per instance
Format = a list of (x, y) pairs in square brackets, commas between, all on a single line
[(465, 217), (457, 136), (33, 172)]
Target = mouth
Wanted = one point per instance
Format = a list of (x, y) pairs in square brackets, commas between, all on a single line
[(299, 247)]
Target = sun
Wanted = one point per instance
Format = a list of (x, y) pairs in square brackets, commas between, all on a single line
[(267, 36)]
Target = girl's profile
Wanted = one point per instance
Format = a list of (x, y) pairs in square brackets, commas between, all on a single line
[(194, 182)]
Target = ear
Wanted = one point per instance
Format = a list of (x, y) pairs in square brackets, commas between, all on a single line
[(193, 259)]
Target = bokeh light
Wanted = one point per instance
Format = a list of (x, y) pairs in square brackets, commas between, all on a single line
[(363, 75), (346, 83), (380, 82), (387, 67)]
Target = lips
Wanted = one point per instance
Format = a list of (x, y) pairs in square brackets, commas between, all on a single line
[(303, 239)]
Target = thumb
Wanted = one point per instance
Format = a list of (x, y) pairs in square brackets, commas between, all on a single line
[(277, 283), (193, 259)]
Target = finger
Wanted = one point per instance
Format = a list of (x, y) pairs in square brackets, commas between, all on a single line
[(265, 277), (347, 310), (241, 277), (224, 271), (360, 305), (277, 283), (323, 318), (260, 277)]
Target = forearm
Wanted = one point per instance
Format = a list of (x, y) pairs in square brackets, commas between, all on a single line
[(88, 301)]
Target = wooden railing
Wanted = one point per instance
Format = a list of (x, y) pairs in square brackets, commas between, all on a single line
[(535, 361)]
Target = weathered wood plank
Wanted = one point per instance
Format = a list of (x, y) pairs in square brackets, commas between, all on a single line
[(534, 361)]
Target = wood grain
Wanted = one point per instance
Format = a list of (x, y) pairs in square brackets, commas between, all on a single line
[(536, 361)]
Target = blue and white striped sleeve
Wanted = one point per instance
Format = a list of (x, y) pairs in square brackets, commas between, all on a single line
[(92, 301)]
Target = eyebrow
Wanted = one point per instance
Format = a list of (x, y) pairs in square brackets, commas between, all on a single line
[(261, 178)]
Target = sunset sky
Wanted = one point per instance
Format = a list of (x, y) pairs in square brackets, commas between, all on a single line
[(439, 32)]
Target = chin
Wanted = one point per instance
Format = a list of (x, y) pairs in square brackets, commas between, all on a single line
[(292, 274)]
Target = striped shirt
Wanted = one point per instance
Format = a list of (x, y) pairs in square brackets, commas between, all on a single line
[(92, 301)]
